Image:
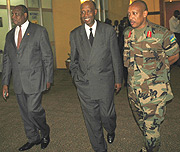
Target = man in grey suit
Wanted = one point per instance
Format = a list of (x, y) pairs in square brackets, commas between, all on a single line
[(96, 68), (28, 56)]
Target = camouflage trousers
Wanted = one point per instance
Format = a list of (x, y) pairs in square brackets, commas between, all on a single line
[(149, 114)]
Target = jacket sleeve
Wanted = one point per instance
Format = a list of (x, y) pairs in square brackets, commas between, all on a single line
[(47, 55), (116, 58), (74, 64), (6, 72)]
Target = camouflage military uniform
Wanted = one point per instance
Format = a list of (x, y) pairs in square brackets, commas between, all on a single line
[(148, 78)]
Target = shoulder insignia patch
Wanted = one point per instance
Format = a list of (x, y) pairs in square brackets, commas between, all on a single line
[(172, 38)]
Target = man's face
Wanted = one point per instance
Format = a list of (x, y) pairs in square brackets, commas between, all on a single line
[(137, 16), (18, 16), (88, 13)]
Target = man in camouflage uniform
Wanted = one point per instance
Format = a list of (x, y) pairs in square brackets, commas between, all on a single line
[(149, 51)]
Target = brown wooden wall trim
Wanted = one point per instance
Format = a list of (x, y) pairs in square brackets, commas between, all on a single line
[(161, 5), (154, 13)]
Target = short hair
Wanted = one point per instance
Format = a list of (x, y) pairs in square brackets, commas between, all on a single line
[(143, 2), (24, 9), (176, 13), (116, 22), (92, 2)]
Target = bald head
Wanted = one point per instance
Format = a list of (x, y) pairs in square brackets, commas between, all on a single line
[(91, 3), (141, 4), (137, 14)]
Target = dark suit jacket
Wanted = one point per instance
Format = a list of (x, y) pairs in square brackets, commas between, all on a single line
[(96, 68), (32, 64)]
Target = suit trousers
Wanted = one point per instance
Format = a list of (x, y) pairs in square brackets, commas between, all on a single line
[(98, 114), (33, 116)]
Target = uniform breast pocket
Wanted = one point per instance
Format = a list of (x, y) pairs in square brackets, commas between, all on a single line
[(150, 58), (147, 58)]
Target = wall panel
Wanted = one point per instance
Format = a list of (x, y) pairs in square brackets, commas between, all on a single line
[(66, 16), (117, 9)]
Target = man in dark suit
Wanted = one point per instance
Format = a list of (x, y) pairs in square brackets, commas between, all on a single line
[(28, 56), (96, 68)]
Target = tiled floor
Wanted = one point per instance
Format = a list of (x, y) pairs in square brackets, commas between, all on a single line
[(68, 132)]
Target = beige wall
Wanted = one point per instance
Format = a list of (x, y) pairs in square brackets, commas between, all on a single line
[(117, 9), (153, 6), (66, 17)]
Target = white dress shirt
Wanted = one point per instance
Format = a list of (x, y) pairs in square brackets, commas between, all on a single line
[(23, 29), (87, 28), (174, 24)]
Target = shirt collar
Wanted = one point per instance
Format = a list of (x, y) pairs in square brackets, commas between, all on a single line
[(25, 24), (148, 31), (93, 28), (23, 27)]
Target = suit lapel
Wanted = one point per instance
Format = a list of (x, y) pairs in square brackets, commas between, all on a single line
[(85, 42), (98, 35), (84, 38), (12, 39), (90, 51), (96, 42)]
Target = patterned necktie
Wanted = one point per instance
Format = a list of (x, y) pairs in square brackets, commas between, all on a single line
[(91, 38), (19, 37)]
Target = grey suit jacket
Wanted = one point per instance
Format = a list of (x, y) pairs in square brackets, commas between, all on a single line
[(31, 65), (96, 68)]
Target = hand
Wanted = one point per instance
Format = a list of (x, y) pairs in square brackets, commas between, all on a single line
[(117, 87), (48, 85), (178, 17), (5, 92)]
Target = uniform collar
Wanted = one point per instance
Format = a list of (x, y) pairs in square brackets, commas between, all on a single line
[(147, 32)]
